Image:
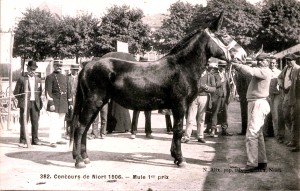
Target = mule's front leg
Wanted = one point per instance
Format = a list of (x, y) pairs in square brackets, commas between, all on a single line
[(176, 152)]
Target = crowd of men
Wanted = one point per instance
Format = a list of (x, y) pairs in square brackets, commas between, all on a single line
[(265, 94)]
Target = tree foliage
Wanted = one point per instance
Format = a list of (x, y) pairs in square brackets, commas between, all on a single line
[(123, 24), (33, 36), (241, 20), (75, 36), (174, 27), (280, 24)]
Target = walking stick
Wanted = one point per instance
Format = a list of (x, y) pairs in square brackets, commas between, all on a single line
[(25, 115)]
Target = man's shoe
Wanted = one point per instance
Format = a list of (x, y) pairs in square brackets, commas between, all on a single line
[(280, 140), (53, 145), (132, 136), (67, 137), (61, 143), (23, 145), (149, 136), (36, 143), (201, 140), (291, 144), (185, 140), (90, 137), (295, 149), (225, 133), (262, 166), (207, 131), (248, 169)]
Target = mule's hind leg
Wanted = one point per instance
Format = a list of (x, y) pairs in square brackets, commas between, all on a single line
[(88, 115), (176, 152)]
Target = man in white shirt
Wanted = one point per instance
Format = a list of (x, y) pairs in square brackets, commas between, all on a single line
[(34, 102)]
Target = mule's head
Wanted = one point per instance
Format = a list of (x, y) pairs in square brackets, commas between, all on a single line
[(222, 45)]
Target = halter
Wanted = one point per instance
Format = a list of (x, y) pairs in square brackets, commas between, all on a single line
[(225, 48)]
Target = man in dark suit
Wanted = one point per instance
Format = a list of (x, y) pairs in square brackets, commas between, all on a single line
[(58, 93), (287, 81), (34, 102)]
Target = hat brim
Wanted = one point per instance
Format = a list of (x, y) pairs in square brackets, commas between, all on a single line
[(32, 67)]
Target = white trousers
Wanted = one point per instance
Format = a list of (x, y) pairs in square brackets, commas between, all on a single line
[(196, 111), (255, 145), (56, 127)]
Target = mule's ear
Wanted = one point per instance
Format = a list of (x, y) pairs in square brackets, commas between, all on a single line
[(217, 24)]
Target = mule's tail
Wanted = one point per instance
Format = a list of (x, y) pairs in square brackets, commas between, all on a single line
[(78, 104)]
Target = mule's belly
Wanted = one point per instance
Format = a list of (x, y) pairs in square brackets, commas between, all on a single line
[(142, 101)]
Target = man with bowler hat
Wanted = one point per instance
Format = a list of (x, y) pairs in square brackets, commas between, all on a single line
[(34, 102)]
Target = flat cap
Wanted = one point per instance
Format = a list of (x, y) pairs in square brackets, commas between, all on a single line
[(290, 57), (263, 56)]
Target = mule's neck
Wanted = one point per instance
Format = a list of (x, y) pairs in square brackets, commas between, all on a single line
[(194, 56)]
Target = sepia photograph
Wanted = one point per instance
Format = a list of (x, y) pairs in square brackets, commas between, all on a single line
[(144, 95)]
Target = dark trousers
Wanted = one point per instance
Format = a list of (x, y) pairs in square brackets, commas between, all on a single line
[(103, 117), (135, 119), (296, 125), (244, 114), (168, 123), (34, 115)]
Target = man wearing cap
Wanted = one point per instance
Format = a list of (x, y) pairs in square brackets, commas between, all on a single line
[(275, 101), (73, 80), (197, 109), (220, 101), (258, 108), (58, 93), (286, 80), (34, 102)]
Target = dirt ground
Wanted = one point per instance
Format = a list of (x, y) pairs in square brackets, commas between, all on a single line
[(121, 163)]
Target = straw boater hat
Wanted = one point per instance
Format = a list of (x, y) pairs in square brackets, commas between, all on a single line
[(32, 64), (75, 67), (213, 65)]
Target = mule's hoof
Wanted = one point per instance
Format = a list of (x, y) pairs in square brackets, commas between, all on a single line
[(180, 164), (86, 161), (80, 165)]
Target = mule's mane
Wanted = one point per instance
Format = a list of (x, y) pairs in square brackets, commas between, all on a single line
[(183, 42)]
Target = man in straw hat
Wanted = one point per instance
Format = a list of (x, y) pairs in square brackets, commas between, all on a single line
[(197, 109), (34, 102)]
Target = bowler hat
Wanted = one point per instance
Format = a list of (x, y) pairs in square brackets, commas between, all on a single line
[(32, 64), (291, 57), (262, 56), (75, 67)]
